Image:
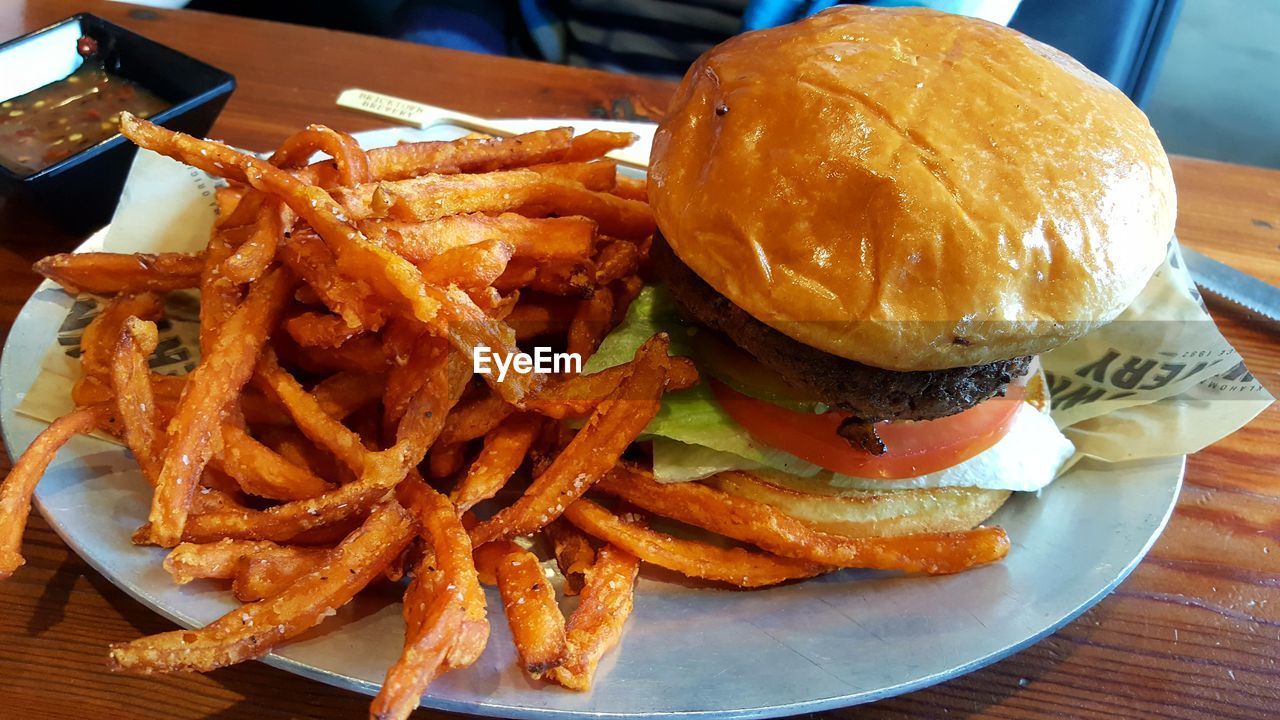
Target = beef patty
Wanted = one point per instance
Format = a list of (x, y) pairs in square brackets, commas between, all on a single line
[(869, 393)]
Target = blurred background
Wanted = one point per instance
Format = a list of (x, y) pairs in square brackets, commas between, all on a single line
[(1218, 94), (1206, 71)]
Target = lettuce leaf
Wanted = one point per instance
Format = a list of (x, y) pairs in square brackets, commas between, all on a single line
[(653, 311)]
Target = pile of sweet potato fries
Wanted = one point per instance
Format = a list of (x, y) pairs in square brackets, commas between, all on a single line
[(310, 451)]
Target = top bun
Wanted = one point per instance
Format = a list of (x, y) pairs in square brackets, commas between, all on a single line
[(910, 189)]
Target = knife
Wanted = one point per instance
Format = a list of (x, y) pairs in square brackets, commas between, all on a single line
[(1232, 285)]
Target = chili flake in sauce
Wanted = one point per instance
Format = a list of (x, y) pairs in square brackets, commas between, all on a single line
[(62, 118)]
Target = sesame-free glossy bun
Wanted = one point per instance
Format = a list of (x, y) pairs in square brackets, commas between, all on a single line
[(867, 513), (910, 189)]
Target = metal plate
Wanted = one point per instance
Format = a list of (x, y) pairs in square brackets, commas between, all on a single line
[(843, 639)]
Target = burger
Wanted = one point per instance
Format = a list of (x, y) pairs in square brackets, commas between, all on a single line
[(871, 223)]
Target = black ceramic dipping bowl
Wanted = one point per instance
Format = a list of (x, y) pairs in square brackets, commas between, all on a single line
[(80, 191)]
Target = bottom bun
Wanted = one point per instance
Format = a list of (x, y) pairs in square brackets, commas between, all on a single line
[(867, 513)]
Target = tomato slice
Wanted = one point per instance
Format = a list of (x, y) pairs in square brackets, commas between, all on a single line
[(914, 447)]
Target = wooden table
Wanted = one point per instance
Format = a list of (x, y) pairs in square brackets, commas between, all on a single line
[(1194, 632)]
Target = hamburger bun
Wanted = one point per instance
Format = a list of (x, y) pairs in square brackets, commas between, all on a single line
[(909, 189), (867, 513)]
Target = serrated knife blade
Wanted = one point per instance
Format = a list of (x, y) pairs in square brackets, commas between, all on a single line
[(1233, 285)]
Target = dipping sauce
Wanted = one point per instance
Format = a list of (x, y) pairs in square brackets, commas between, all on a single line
[(64, 117)]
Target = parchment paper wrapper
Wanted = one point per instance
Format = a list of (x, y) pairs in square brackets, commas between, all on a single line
[(1159, 381)]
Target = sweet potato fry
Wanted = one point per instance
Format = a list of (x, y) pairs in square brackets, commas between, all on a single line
[(495, 304), (488, 556), (219, 297), (768, 528), (596, 624), (613, 426), (535, 238), (262, 472), (632, 188), (444, 607), (167, 387), (114, 273), (445, 460), (345, 392), (258, 411), (424, 416), (227, 198), (135, 403), (592, 320), (258, 578), (217, 492), (535, 316), (395, 279), (616, 260), (504, 450), (445, 529), (400, 337), (390, 275), (220, 375), (470, 266), (434, 196), (416, 355), (209, 561), (253, 630), (90, 390), (598, 175), (475, 418), (469, 155), (625, 291), (573, 277), (245, 212), (596, 143), (251, 259), (443, 377), (311, 419), (362, 354), (16, 489), (307, 256), (224, 559), (315, 329), (573, 552), (352, 165), (98, 343), (327, 536), (469, 328), (537, 625), (399, 696), (733, 566), (289, 443), (291, 521), (578, 395)]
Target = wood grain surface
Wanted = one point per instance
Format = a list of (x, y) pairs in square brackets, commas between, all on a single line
[(1193, 633)]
